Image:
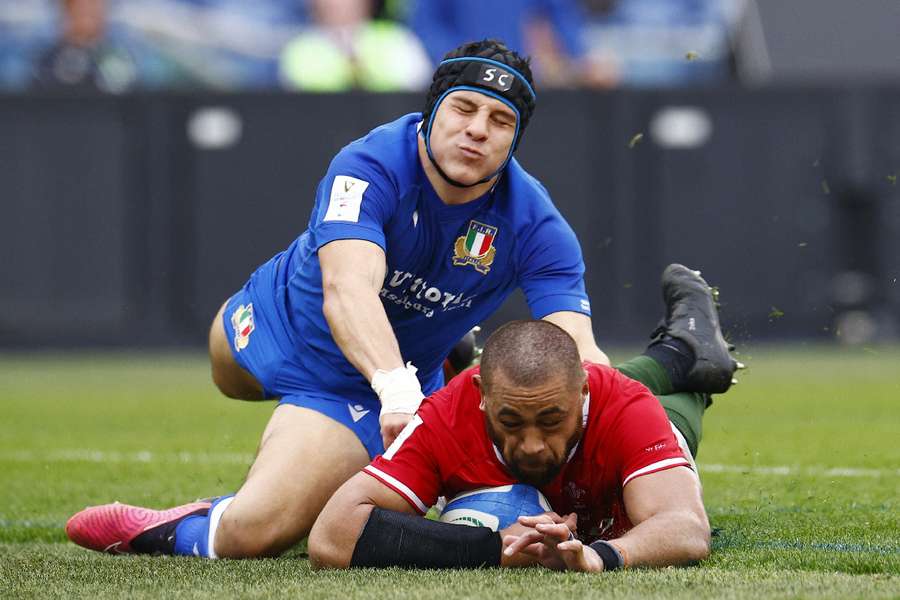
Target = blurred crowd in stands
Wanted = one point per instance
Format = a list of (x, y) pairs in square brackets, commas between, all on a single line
[(337, 45)]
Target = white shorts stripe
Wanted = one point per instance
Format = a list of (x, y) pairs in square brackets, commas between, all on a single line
[(400, 487), (657, 466)]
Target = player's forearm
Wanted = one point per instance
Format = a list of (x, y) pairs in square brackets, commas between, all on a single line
[(591, 353), (396, 539), (579, 327), (670, 538), (364, 535), (360, 326)]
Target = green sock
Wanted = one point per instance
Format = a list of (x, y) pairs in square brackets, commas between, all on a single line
[(685, 410), (649, 372)]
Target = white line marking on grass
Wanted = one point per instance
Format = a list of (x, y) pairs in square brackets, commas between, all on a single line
[(811, 471), (115, 456), (240, 458), (828, 547)]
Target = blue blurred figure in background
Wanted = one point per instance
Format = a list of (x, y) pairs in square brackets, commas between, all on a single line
[(659, 43), (211, 44), (84, 57), (549, 30), (26, 28), (313, 45), (219, 44)]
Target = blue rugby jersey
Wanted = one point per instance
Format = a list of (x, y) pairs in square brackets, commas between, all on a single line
[(448, 267)]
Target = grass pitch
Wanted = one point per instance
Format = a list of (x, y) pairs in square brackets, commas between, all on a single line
[(800, 463)]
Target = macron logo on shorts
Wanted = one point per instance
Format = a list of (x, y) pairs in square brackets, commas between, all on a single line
[(346, 199), (357, 412)]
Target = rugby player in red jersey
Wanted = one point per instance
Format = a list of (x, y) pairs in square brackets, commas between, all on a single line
[(597, 444)]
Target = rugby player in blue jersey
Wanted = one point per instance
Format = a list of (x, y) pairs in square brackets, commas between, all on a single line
[(420, 230)]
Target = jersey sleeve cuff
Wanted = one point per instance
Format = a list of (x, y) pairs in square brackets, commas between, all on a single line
[(330, 232), (660, 465), (546, 305), (399, 487)]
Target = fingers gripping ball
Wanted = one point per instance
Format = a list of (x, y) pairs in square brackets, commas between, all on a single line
[(495, 507)]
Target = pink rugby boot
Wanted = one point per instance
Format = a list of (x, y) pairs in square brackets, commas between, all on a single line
[(113, 527)]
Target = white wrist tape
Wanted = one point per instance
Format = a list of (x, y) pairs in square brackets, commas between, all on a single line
[(399, 390)]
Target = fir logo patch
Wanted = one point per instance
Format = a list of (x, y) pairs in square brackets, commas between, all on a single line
[(242, 323), (476, 248)]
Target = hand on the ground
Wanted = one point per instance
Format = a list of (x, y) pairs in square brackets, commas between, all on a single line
[(578, 557)]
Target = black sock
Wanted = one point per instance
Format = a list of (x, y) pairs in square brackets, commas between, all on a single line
[(675, 356)]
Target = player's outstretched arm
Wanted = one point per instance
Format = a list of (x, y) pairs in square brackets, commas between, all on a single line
[(670, 523), (367, 524), (578, 326), (352, 275)]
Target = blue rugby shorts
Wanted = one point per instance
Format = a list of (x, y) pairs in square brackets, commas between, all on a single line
[(260, 345)]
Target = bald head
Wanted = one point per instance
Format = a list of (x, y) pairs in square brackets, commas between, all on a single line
[(531, 353)]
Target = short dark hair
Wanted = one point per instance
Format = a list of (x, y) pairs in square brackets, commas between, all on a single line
[(445, 76), (530, 352)]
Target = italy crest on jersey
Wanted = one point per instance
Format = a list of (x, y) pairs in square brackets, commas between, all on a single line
[(242, 323), (476, 248)]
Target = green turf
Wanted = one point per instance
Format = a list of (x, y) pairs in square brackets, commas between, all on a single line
[(800, 465)]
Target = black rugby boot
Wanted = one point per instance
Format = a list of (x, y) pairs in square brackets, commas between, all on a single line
[(692, 318)]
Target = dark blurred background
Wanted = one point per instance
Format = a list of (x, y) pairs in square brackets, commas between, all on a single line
[(153, 152)]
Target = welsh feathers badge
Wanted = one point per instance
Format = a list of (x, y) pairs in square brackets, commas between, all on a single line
[(476, 248), (242, 322)]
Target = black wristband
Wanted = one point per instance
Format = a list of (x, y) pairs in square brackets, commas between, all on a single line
[(609, 554), (393, 539)]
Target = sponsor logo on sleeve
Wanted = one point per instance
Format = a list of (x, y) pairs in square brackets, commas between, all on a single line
[(476, 247), (346, 199)]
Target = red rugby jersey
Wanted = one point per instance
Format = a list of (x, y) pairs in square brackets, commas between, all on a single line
[(446, 450)]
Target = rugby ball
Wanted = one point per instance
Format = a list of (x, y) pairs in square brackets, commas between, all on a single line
[(495, 507)]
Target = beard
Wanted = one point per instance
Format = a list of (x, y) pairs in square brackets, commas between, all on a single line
[(534, 476)]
